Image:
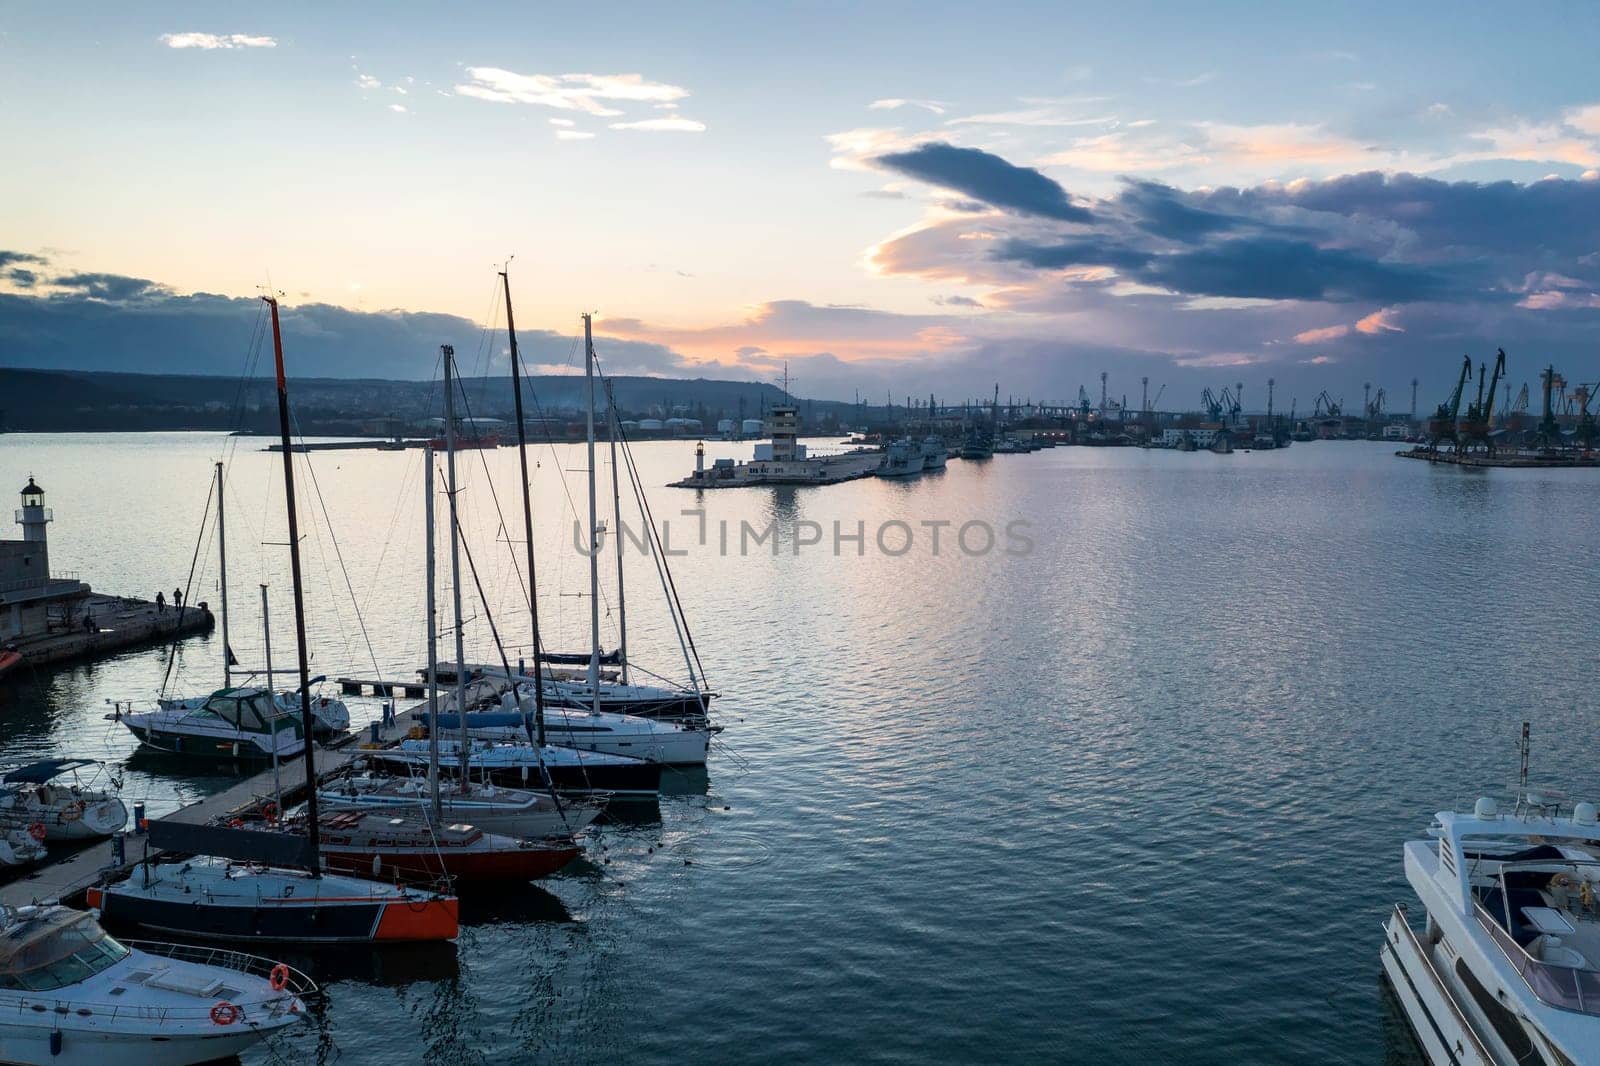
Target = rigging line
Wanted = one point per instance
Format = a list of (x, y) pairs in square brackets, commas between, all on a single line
[(483, 457), (494, 634), (680, 618), (338, 554), (177, 636), (252, 354)]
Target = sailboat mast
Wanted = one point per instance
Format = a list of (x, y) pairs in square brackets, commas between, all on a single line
[(433, 640), (616, 534), (266, 636), (594, 547), (455, 548), (222, 564), (314, 861), (527, 519)]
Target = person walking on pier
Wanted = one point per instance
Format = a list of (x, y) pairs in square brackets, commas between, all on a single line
[(177, 599), (161, 602)]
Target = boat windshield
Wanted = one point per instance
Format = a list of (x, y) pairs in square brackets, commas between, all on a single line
[(249, 712), (57, 952)]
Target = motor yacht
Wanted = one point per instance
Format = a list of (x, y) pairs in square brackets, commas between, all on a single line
[(240, 724), (1500, 961), (71, 995), (572, 772), (330, 713), (669, 743)]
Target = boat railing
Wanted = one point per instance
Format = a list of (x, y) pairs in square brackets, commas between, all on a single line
[(1563, 987), (1402, 921), (296, 982)]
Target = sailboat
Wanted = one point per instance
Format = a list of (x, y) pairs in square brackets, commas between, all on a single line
[(54, 796), (270, 885)]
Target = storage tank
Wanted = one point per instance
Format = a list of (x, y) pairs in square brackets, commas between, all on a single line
[(726, 425), (752, 427), (650, 425)]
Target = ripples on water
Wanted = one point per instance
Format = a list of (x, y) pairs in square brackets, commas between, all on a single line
[(1135, 797)]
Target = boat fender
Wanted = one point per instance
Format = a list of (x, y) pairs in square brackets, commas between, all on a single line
[(236, 749), (236, 823), (280, 978), (55, 1042), (37, 830), (224, 1013)]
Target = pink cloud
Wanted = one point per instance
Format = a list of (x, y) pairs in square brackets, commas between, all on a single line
[(1318, 336), (1380, 321)]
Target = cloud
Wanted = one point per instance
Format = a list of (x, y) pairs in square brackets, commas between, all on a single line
[(22, 278), (662, 125), (398, 109), (8, 258), (985, 177), (1380, 321), (1184, 83), (367, 81), (957, 301), (1321, 336), (210, 41), (590, 93), (574, 135), (112, 288), (938, 107), (561, 122)]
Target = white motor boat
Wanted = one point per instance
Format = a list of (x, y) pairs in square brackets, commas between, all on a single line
[(71, 995), (934, 453), (232, 723), (1505, 966), (56, 800), (514, 812), (330, 714)]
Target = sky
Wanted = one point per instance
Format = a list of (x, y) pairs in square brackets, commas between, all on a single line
[(891, 198)]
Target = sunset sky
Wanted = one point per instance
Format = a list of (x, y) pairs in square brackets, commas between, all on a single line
[(906, 196)]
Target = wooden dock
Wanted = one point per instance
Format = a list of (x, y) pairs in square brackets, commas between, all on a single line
[(66, 875)]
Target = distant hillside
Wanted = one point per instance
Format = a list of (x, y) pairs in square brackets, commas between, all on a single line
[(69, 400)]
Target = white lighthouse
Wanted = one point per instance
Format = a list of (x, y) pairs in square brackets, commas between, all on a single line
[(33, 515)]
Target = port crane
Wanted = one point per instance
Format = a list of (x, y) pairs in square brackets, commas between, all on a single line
[(1326, 406), (1479, 421), (1443, 424), (1213, 404)]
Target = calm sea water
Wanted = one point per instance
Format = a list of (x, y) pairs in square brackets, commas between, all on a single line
[(1134, 796)]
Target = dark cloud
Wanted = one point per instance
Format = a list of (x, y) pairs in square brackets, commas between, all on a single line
[(885, 194), (25, 279), (1159, 209), (8, 258), (112, 287), (112, 322), (1092, 252), (985, 177), (1270, 268), (957, 301)]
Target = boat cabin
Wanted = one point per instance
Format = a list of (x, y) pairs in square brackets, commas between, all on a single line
[(55, 949), (251, 710)]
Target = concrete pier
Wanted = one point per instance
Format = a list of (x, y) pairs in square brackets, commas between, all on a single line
[(119, 623)]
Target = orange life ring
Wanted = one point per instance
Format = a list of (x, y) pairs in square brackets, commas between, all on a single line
[(225, 1013), (280, 978), (37, 830), (269, 811)]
